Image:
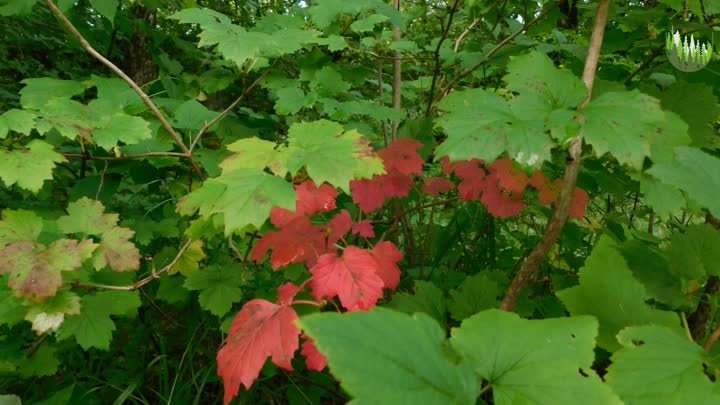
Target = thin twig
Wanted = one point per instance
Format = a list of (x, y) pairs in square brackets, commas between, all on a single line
[(148, 102), (493, 51), (397, 75), (124, 157), (225, 112), (462, 36), (557, 221), (141, 283), (714, 337), (436, 54)]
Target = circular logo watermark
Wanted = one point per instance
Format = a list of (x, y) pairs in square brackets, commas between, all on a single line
[(687, 54)]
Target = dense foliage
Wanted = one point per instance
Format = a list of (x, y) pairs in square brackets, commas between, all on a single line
[(314, 202)]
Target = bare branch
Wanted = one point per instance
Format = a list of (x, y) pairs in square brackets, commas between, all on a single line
[(557, 221), (142, 282), (397, 75), (462, 36), (436, 54), (125, 157), (143, 96)]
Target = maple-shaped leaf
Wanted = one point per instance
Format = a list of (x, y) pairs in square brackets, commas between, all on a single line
[(363, 228), (433, 186), (509, 177), (402, 156), (311, 200), (549, 192), (499, 202), (35, 270), (286, 293), (314, 360), (190, 259), (472, 176), (29, 167), (19, 225), (87, 217), (388, 256), (353, 278), (244, 197), (255, 153), (371, 194), (298, 241), (116, 251), (260, 330), (50, 314), (219, 287), (339, 226)]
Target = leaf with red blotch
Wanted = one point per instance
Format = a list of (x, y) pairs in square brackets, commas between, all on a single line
[(314, 360), (388, 256), (260, 330), (402, 156), (338, 227), (509, 177), (435, 185), (364, 228), (353, 278), (579, 203), (500, 203), (298, 241), (371, 194)]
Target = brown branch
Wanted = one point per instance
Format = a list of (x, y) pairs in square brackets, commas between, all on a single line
[(148, 102), (397, 75), (712, 339), (493, 51), (557, 221), (462, 36), (225, 112), (142, 282), (436, 54)]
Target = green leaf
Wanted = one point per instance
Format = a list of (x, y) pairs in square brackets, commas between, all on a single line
[(621, 123), (50, 314), (16, 7), (94, 327), (39, 90), (533, 362), (192, 115), (663, 198), (334, 43), (219, 287), (42, 363), (20, 225), (386, 345), (328, 82), (87, 217), (427, 299), (331, 154), (11, 309), (122, 128), (475, 294), (535, 75), (106, 8), (290, 100), (324, 12), (695, 172), (244, 197), (658, 366), (609, 291), (255, 153), (368, 23), (10, 399), (695, 254), (29, 167), (696, 104), (189, 261), (20, 121)]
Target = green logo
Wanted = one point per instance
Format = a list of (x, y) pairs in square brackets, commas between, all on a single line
[(687, 55)]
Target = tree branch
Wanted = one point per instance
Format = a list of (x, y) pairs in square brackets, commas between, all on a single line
[(140, 283), (436, 54), (397, 75), (143, 96), (226, 111), (493, 51), (124, 157), (557, 221)]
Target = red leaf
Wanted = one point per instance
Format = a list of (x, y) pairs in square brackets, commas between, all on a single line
[(364, 229), (287, 293), (353, 278), (579, 203), (500, 203), (402, 156), (314, 360), (538, 180), (297, 242), (509, 177), (261, 329), (338, 227), (312, 200), (472, 178), (388, 256), (435, 185), (371, 194)]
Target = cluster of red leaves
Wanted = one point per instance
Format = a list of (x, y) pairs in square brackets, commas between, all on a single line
[(357, 277), (501, 187)]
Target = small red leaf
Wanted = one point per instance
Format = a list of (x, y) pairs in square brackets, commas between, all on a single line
[(353, 278), (364, 229), (509, 177), (371, 194), (435, 185), (579, 203), (500, 203), (312, 200), (314, 360), (287, 293), (299, 241), (338, 227), (260, 330), (402, 156), (388, 256)]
